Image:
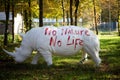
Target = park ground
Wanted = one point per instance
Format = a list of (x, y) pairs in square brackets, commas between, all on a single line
[(66, 68)]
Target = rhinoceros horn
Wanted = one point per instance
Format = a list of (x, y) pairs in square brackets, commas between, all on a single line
[(9, 53)]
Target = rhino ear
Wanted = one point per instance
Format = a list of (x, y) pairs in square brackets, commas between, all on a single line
[(22, 35)]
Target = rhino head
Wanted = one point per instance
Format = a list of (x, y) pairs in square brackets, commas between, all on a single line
[(19, 55)]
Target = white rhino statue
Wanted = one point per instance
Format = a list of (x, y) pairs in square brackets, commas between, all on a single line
[(63, 41)]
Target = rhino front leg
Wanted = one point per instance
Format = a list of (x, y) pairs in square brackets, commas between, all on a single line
[(84, 57), (35, 58), (48, 57)]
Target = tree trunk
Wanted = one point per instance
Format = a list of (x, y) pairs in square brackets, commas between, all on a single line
[(29, 19), (119, 17), (95, 21), (67, 17), (26, 20), (76, 5), (71, 18), (40, 13), (63, 12), (13, 20), (7, 8)]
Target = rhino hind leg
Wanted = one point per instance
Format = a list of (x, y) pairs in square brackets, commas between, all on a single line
[(84, 57), (94, 55), (35, 58)]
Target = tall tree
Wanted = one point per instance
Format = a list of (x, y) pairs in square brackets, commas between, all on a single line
[(13, 20), (29, 19), (71, 17), (40, 13), (25, 14), (119, 17), (95, 21), (67, 17), (7, 9), (109, 6), (63, 12), (76, 10), (66, 10)]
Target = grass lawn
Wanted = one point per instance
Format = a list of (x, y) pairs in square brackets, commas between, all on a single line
[(66, 68)]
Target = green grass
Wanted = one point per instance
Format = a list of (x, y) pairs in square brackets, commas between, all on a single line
[(66, 68)]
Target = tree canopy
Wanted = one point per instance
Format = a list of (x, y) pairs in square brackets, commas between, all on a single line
[(53, 8), (91, 11)]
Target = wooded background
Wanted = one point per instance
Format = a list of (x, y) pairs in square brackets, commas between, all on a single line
[(95, 11)]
